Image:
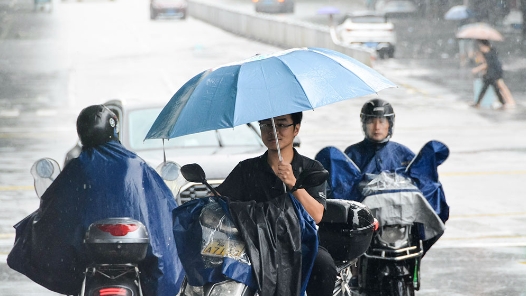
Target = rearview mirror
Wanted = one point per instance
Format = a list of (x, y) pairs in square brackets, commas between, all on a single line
[(193, 173), (314, 178), (44, 168)]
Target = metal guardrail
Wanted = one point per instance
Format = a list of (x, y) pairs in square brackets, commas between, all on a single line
[(271, 30)]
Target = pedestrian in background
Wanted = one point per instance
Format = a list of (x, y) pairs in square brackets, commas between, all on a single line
[(493, 74)]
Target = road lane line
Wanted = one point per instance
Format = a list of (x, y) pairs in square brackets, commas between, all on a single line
[(17, 188), (479, 245), (484, 237), (456, 174), (487, 215)]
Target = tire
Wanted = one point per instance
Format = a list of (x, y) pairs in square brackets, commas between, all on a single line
[(401, 287), (342, 286), (153, 15)]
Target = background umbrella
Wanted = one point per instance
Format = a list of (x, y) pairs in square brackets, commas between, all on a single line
[(330, 11), (479, 31), (264, 86), (458, 12)]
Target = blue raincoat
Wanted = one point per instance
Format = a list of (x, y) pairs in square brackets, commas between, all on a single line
[(105, 181), (345, 174)]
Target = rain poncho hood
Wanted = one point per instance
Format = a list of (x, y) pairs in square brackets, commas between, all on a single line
[(105, 181), (345, 175), (267, 229)]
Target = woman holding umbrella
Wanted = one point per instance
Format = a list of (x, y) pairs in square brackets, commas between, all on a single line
[(492, 68)]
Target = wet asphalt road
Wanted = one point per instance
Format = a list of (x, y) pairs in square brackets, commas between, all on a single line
[(53, 64)]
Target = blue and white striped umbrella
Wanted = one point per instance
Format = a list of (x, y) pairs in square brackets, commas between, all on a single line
[(263, 87)]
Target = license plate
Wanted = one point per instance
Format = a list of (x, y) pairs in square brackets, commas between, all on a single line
[(224, 248)]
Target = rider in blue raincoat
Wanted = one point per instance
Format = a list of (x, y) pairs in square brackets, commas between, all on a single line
[(106, 180), (376, 154)]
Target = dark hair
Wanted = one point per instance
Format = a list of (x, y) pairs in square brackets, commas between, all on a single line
[(484, 42), (296, 117)]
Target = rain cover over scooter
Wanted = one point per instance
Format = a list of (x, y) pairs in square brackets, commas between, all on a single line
[(282, 240), (345, 175), (264, 228), (105, 181)]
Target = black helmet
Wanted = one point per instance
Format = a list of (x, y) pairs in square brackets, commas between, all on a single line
[(96, 125), (378, 108)]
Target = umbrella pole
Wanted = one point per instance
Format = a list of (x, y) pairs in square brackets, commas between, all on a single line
[(164, 152), (277, 146), (276, 138)]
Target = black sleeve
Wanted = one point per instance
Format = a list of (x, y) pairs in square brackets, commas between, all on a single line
[(232, 185)]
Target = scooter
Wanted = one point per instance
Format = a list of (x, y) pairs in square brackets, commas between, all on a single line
[(346, 231), (115, 246), (391, 264)]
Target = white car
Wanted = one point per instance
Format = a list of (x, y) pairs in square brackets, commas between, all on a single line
[(369, 29)]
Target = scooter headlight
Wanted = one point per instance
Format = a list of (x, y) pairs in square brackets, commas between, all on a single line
[(228, 288), (394, 236)]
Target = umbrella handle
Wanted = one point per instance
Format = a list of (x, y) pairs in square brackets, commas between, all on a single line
[(276, 138), (277, 146)]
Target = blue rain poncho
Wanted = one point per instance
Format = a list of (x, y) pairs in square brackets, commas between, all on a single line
[(372, 158), (105, 181)]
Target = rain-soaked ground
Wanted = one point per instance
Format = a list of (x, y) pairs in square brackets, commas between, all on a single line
[(426, 49)]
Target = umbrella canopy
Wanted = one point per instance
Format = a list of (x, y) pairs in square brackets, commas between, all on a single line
[(328, 10), (479, 31), (458, 12), (265, 86)]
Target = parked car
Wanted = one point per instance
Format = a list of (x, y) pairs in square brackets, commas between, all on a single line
[(217, 151), (168, 8), (513, 20), (274, 6), (369, 29), (393, 9)]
